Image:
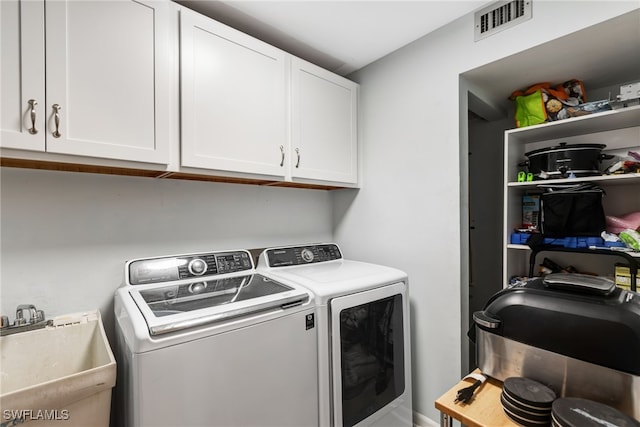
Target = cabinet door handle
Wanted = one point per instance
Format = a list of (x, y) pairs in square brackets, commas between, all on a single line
[(282, 152), (56, 119), (298, 154), (32, 106)]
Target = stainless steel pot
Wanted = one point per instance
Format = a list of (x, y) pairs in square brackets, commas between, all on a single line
[(564, 159)]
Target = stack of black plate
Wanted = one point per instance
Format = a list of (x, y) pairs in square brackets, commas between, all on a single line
[(577, 412), (527, 402)]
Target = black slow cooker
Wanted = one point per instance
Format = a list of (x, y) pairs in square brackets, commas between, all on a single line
[(562, 160)]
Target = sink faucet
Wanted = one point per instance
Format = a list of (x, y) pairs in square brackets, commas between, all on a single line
[(35, 316), (36, 320)]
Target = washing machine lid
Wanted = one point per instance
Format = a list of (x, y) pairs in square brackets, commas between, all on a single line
[(172, 307), (322, 269), (339, 277)]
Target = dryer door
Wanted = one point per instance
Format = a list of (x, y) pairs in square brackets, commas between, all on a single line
[(370, 354)]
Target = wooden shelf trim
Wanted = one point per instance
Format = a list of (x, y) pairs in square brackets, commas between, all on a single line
[(73, 167)]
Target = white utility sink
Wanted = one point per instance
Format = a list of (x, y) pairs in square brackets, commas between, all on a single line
[(62, 374)]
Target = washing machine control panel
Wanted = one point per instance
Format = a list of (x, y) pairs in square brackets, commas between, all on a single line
[(167, 269), (301, 255)]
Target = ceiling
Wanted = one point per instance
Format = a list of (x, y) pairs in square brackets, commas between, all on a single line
[(341, 36)]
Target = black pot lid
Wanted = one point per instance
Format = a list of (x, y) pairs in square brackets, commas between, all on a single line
[(533, 410), (529, 392), (516, 412), (578, 412), (526, 420), (563, 147)]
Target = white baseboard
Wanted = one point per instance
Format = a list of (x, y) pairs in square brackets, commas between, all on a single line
[(420, 420)]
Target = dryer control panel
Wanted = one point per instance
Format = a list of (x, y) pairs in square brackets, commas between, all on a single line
[(299, 255), (167, 269)]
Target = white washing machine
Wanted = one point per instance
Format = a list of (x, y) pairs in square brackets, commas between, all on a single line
[(364, 371), (204, 340)]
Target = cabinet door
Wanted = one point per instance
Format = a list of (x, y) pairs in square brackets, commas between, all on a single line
[(107, 72), (324, 114), (22, 74), (233, 100)]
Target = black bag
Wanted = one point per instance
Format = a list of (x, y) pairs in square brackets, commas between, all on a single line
[(572, 210)]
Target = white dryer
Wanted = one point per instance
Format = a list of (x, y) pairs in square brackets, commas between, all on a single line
[(364, 371), (204, 340)]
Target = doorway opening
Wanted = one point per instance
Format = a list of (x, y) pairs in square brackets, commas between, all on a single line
[(485, 200)]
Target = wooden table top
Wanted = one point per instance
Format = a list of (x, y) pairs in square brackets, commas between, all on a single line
[(485, 410)]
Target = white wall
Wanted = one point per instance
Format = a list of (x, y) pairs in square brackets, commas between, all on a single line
[(408, 213), (65, 236)]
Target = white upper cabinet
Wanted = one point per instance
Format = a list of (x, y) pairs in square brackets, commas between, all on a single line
[(248, 107), (233, 100), (96, 83), (107, 72), (324, 125), (22, 100)]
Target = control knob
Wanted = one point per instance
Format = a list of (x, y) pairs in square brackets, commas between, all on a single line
[(197, 267), (307, 255)]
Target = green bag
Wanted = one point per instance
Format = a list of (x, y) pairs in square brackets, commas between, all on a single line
[(530, 109), (543, 103)]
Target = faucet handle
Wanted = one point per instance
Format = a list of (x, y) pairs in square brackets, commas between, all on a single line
[(4, 321), (39, 316), (20, 320)]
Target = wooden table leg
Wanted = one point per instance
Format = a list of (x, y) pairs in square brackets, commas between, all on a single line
[(445, 420)]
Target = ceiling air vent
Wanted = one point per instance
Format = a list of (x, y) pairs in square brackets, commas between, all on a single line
[(500, 16)]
